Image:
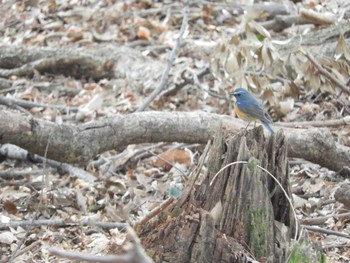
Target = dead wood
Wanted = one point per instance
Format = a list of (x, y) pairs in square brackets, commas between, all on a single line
[(14, 152), (134, 255), (270, 9), (321, 220), (13, 102), (5, 84), (323, 41), (80, 143), (58, 222), (327, 231), (266, 9), (342, 195), (242, 214), (317, 17), (282, 22), (104, 61)]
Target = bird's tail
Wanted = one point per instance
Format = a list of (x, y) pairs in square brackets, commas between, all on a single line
[(267, 126)]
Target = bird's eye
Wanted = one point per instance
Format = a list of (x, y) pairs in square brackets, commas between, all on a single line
[(237, 94)]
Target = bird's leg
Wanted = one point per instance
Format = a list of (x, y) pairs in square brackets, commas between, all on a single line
[(254, 124)]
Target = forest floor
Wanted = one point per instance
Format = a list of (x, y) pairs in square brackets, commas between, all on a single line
[(222, 46)]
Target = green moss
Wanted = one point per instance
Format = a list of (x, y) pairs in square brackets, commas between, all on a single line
[(297, 256), (306, 252), (257, 231), (252, 165)]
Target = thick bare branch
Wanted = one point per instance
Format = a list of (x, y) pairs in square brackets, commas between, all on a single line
[(105, 61), (70, 143), (80, 143)]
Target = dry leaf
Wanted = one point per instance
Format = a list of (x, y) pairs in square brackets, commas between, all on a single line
[(260, 29), (342, 48), (38, 39), (143, 33), (174, 156), (10, 207), (294, 89), (6, 237), (75, 33), (298, 202), (99, 243), (231, 65), (90, 86), (286, 106), (93, 105)]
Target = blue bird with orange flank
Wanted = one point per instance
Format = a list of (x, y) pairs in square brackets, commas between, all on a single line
[(249, 109)]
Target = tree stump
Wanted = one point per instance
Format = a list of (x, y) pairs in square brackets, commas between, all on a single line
[(242, 215)]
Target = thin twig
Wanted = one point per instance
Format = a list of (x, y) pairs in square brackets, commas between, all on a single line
[(155, 211), (15, 152), (139, 253), (164, 78), (11, 102), (144, 152), (325, 231), (13, 173), (178, 86), (136, 255), (170, 163), (59, 223), (22, 251), (80, 256), (269, 76), (326, 123), (199, 85), (322, 219)]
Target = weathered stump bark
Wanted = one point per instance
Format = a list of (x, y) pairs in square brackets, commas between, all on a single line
[(243, 214)]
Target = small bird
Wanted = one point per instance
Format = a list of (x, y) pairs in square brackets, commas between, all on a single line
[(249, 109)]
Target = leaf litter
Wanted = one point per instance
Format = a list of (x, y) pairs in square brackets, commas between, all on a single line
[(135, 180)]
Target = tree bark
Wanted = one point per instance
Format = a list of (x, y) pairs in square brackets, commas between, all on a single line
[(105, 61), (242, 215), (80, 143)]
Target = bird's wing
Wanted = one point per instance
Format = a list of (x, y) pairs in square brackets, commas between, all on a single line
[(256, 111)]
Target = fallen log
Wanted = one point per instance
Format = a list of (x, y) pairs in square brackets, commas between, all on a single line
[(80, 143)]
